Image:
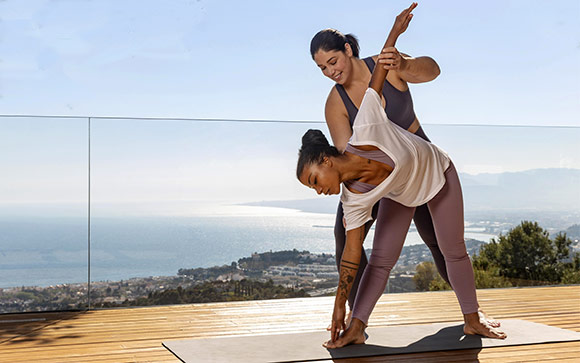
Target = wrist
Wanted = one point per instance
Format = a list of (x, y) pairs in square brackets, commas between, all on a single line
[(339, 300)]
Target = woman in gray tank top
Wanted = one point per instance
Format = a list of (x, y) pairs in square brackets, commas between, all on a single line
[(337, 56), (338, 62)]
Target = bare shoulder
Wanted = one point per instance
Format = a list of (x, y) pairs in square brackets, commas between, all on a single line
[(334, 104), (336, 117)]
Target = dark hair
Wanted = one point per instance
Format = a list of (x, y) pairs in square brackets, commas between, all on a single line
[(315, 147), (332, 39)]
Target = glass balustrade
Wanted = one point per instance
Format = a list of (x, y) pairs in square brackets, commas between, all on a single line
[(171, 199)]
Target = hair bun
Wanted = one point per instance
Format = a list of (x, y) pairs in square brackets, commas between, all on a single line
[(314, 138), (314, 148)]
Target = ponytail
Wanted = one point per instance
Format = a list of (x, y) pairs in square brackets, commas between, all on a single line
[(332, 39)]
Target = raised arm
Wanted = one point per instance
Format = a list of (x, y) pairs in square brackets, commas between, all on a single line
[(401, 23)]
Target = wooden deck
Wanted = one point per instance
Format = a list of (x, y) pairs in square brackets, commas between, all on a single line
[(135, 335)]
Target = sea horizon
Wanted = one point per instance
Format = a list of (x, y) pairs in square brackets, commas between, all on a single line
[(50, 251)]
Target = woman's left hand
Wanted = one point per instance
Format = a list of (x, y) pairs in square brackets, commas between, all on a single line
[(338, 324), (403, 19), (391, 59)]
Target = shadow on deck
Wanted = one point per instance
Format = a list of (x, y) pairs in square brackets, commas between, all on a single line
[(135, 334)]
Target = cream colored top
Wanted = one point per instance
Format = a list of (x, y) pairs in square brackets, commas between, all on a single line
[(419, 165)]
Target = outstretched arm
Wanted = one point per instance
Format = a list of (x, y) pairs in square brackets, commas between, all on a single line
[(349, 265), (407, 68), (401, 23), (418, 70)]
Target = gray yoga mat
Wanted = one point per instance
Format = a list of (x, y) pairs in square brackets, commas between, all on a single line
[(382, 341)]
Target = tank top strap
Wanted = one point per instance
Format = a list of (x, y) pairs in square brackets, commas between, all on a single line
[(369, 61), (350, 107)]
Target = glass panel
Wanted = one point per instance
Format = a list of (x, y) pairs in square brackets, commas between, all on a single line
[(520, 188), (43, 214), (516, 173), (171, 195)]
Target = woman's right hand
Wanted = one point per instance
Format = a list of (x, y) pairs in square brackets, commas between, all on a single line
[(402, 20), (337, 324)]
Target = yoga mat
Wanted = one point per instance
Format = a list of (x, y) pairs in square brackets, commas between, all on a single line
[(382, 341)]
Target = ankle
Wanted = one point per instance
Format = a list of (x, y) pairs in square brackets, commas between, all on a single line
[(357, 325), (471, 317)]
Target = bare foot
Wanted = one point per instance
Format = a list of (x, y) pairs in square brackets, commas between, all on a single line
[(348, 318), (354, 334), (475, 325), (347, 321), (490, 321)]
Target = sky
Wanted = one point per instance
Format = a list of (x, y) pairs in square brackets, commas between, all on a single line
[(511, 68), (503, 62)]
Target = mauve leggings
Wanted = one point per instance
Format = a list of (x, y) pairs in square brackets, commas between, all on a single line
[(423, 222), (447, 213)]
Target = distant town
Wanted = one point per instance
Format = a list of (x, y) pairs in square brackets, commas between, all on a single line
[(267, 275), (315, 274)]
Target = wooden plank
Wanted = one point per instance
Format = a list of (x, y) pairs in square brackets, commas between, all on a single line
[(135, 334)]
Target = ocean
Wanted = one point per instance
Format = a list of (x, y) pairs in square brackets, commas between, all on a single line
[(49, 251)]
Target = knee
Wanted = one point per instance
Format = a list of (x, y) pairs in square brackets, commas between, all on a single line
[(384, 262), (454, 253)]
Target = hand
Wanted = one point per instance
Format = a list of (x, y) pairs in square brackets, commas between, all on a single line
[(391, 59), (337, 321), (402, 20)]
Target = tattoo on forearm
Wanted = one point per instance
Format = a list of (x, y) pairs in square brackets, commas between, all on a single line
[(352, 263), (345, 282), (349, 267)]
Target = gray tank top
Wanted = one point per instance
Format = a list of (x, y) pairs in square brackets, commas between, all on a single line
[(399, 107)]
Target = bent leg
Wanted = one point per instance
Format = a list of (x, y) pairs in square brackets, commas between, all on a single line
[(393, 221), (340, 242), (424, 225), (447, 212)]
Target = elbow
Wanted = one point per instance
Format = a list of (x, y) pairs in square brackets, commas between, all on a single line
[(340, 146), (436, 70)]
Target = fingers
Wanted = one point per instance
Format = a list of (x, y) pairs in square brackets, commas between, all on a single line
[(389, 50), (333, 329), (335, 333), (402, 21), (412, 7), (390, 58), (409, 9), (336, 328), (408, 20)]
